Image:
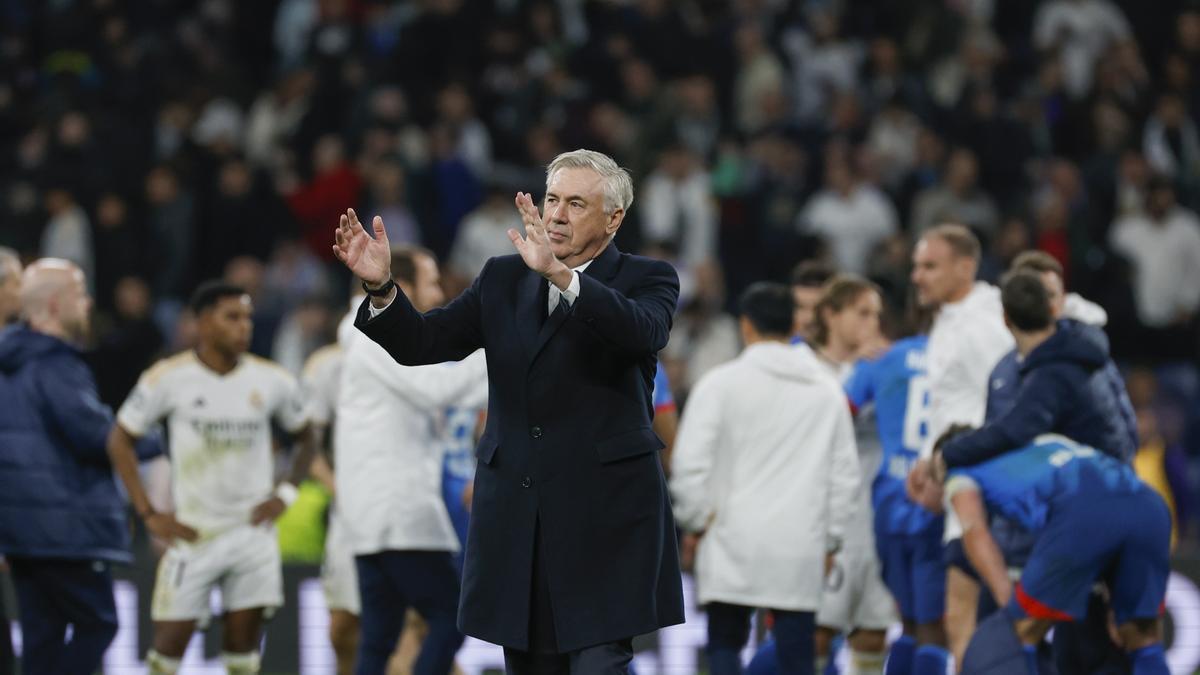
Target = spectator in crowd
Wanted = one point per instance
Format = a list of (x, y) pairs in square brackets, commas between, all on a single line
[(733, 478), (956, 199), (1162, 244), (481, 236), (1080, 31), (10, 286), (678, 207), (68, 234), (850, 215)]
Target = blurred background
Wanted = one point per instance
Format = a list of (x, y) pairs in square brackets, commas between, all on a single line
[(159, 143)]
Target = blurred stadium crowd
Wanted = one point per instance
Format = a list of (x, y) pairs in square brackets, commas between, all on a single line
[(161, 142)]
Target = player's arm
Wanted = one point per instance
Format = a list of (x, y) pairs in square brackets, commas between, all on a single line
[(123, 455), (1035, 411), (304, 450), (981, 549), (844, 478)]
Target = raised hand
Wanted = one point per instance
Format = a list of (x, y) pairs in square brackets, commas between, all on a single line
[(370, 259), (535, 246)]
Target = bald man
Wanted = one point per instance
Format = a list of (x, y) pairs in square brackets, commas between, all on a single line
[(10, 287), (62, 520)]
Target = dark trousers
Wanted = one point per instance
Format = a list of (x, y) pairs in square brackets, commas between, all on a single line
[(729, 629), (55, 594), (6, 648), (612, 658), (389, 583)]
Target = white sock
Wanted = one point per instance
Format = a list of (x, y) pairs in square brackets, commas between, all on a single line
[(241, 664), (161, 665), (867, 663)]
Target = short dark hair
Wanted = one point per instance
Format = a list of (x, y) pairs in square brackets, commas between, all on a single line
[(1026, 302), (404, 262), (1036, 261), (961, 240), (812, 274), (768, 306), (209, 293)]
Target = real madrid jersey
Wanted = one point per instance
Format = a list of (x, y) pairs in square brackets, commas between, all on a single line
[(219, 431)]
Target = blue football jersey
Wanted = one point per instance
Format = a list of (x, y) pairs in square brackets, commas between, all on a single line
[(1022, 485), (898, 386), (662, 397)]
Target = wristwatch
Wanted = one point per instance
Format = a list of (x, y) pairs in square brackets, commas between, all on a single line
[(380, 292)]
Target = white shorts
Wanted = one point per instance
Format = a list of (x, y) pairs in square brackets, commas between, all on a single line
[(339, 576), (243, 562), (855, 595)]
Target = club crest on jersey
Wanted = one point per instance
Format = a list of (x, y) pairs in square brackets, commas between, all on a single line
[(256, 400)]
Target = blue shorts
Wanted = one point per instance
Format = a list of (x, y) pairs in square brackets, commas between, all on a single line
[(1122, 539), (914, 572)]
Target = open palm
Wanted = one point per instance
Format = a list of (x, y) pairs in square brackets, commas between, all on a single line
[(369, 258), (535, 246)]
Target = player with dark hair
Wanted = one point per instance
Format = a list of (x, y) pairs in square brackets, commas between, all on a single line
[(808, 281), (218, 403)]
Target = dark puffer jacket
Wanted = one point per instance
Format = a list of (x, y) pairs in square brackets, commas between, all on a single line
[(1068, 386), (58, 494)]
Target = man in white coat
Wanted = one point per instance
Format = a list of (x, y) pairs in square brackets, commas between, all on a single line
[(765, 470), (388, 455), (967, 340)]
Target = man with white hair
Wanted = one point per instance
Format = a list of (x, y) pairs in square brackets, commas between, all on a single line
[(571, 548)]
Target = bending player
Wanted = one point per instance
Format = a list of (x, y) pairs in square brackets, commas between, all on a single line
[(218, 403), (1092, 519)]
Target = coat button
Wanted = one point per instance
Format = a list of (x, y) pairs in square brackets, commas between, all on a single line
[(536, 432), (526, 482)]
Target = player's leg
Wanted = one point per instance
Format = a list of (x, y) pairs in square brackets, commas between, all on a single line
[(1143, 642), (833, 615), (340, 583), (84, 597), (728, 630), (895, 558), (251, 590), (382, 617), (242, 635), (962, 597), (874, 612), (343, 636), (794, 641), (431, 583), (42, 625), (928, 583), (1139, 580), (186, 576)]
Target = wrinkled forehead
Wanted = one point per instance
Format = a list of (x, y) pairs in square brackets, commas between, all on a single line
[(575, 182)]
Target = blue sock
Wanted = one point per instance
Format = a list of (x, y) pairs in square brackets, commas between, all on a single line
[(930, 660), (834, 647), (1150, 660), (1031, 658), (900, 657)]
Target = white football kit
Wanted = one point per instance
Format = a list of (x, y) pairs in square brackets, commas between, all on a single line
[(222, 466)]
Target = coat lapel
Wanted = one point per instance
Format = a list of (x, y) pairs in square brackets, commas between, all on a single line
[(529, 311), (604, 266)]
